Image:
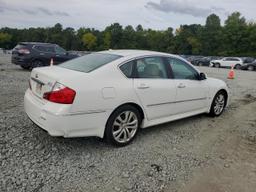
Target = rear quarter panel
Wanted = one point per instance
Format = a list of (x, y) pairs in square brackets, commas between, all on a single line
[(102, 90)]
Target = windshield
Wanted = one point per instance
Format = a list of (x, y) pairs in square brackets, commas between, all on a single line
[(89, 62)]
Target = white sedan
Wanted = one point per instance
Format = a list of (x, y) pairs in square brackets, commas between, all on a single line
[(112, 94)]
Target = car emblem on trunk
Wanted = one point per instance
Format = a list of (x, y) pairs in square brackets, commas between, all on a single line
[(36, 76)]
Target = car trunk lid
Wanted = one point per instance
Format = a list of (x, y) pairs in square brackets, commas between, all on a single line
[(42, 79)]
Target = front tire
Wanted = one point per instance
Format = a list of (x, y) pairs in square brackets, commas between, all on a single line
[(218, 104), (123, 125)]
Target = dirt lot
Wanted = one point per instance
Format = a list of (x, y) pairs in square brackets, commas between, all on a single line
[(195, 154)]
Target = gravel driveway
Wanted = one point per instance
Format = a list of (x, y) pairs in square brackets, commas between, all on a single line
[(169, 157)]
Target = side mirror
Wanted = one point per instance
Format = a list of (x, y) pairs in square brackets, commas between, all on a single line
[(202, 76), (66, 53)]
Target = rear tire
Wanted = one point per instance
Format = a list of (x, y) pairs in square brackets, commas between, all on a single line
[(217, 65), (237, 66), (250, 68), (123, 125), (218, 104), (36, 63)]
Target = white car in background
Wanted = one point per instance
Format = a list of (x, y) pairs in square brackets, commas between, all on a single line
[(236, 62), (112, 94)]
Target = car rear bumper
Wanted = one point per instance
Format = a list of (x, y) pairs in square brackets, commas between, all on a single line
[(65, 124), (20, 61)]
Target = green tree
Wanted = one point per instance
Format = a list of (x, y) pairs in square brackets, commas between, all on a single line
[(107, 40), (187, 40), (211, 36), (5, 40), (235, 36), (89, 40), (116, 32)]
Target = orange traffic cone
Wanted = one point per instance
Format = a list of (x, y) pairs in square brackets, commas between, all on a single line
[(51, 63), (231, 74)]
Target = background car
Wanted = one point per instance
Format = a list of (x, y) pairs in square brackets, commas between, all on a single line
[(112, 94), (248, 60), (30, 55), (227, 62), (249, 66), (205, 61), (193, 59)]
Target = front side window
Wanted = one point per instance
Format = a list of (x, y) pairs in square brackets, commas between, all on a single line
[(89, 62), (151, 67), (229, 59), (60, 50), (182, 70)]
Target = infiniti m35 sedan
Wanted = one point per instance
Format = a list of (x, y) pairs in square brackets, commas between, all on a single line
[(112, 94)]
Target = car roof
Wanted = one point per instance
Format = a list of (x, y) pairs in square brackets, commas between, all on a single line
[(134, 52), (37, 43)]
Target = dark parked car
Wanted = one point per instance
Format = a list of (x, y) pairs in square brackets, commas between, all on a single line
[(248, 59), (249, 66), (205, 61), (193, 59), (30, 54)]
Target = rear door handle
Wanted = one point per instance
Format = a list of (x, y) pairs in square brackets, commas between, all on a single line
[(181, 86), (143, 86)]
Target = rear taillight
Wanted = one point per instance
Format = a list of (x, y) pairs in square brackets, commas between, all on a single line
[(60, 94), (24, 51)]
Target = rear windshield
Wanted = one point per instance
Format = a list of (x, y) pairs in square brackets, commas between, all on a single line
[(89, 62), (20, 46)]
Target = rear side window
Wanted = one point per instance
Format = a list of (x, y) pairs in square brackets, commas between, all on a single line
[(44, 48), (49, 49), (20, 46), (127, 69), (89, 62)]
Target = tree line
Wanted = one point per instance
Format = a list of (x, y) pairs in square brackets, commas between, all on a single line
[(237, 37)]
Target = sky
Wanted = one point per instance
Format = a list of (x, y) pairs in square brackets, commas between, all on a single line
[(155, 14)]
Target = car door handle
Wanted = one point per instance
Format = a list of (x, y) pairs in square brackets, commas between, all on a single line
[(143, 86), (181, 86)]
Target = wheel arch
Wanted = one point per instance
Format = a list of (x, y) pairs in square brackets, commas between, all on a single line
[(137, 106), (36, 59)]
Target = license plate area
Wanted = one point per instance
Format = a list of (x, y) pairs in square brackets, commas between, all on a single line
[(39, 88)]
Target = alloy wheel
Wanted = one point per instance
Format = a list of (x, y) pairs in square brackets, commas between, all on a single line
[(125, 126), (219, 104)]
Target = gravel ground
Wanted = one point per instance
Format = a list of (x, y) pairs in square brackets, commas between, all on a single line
[(183, 155)]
